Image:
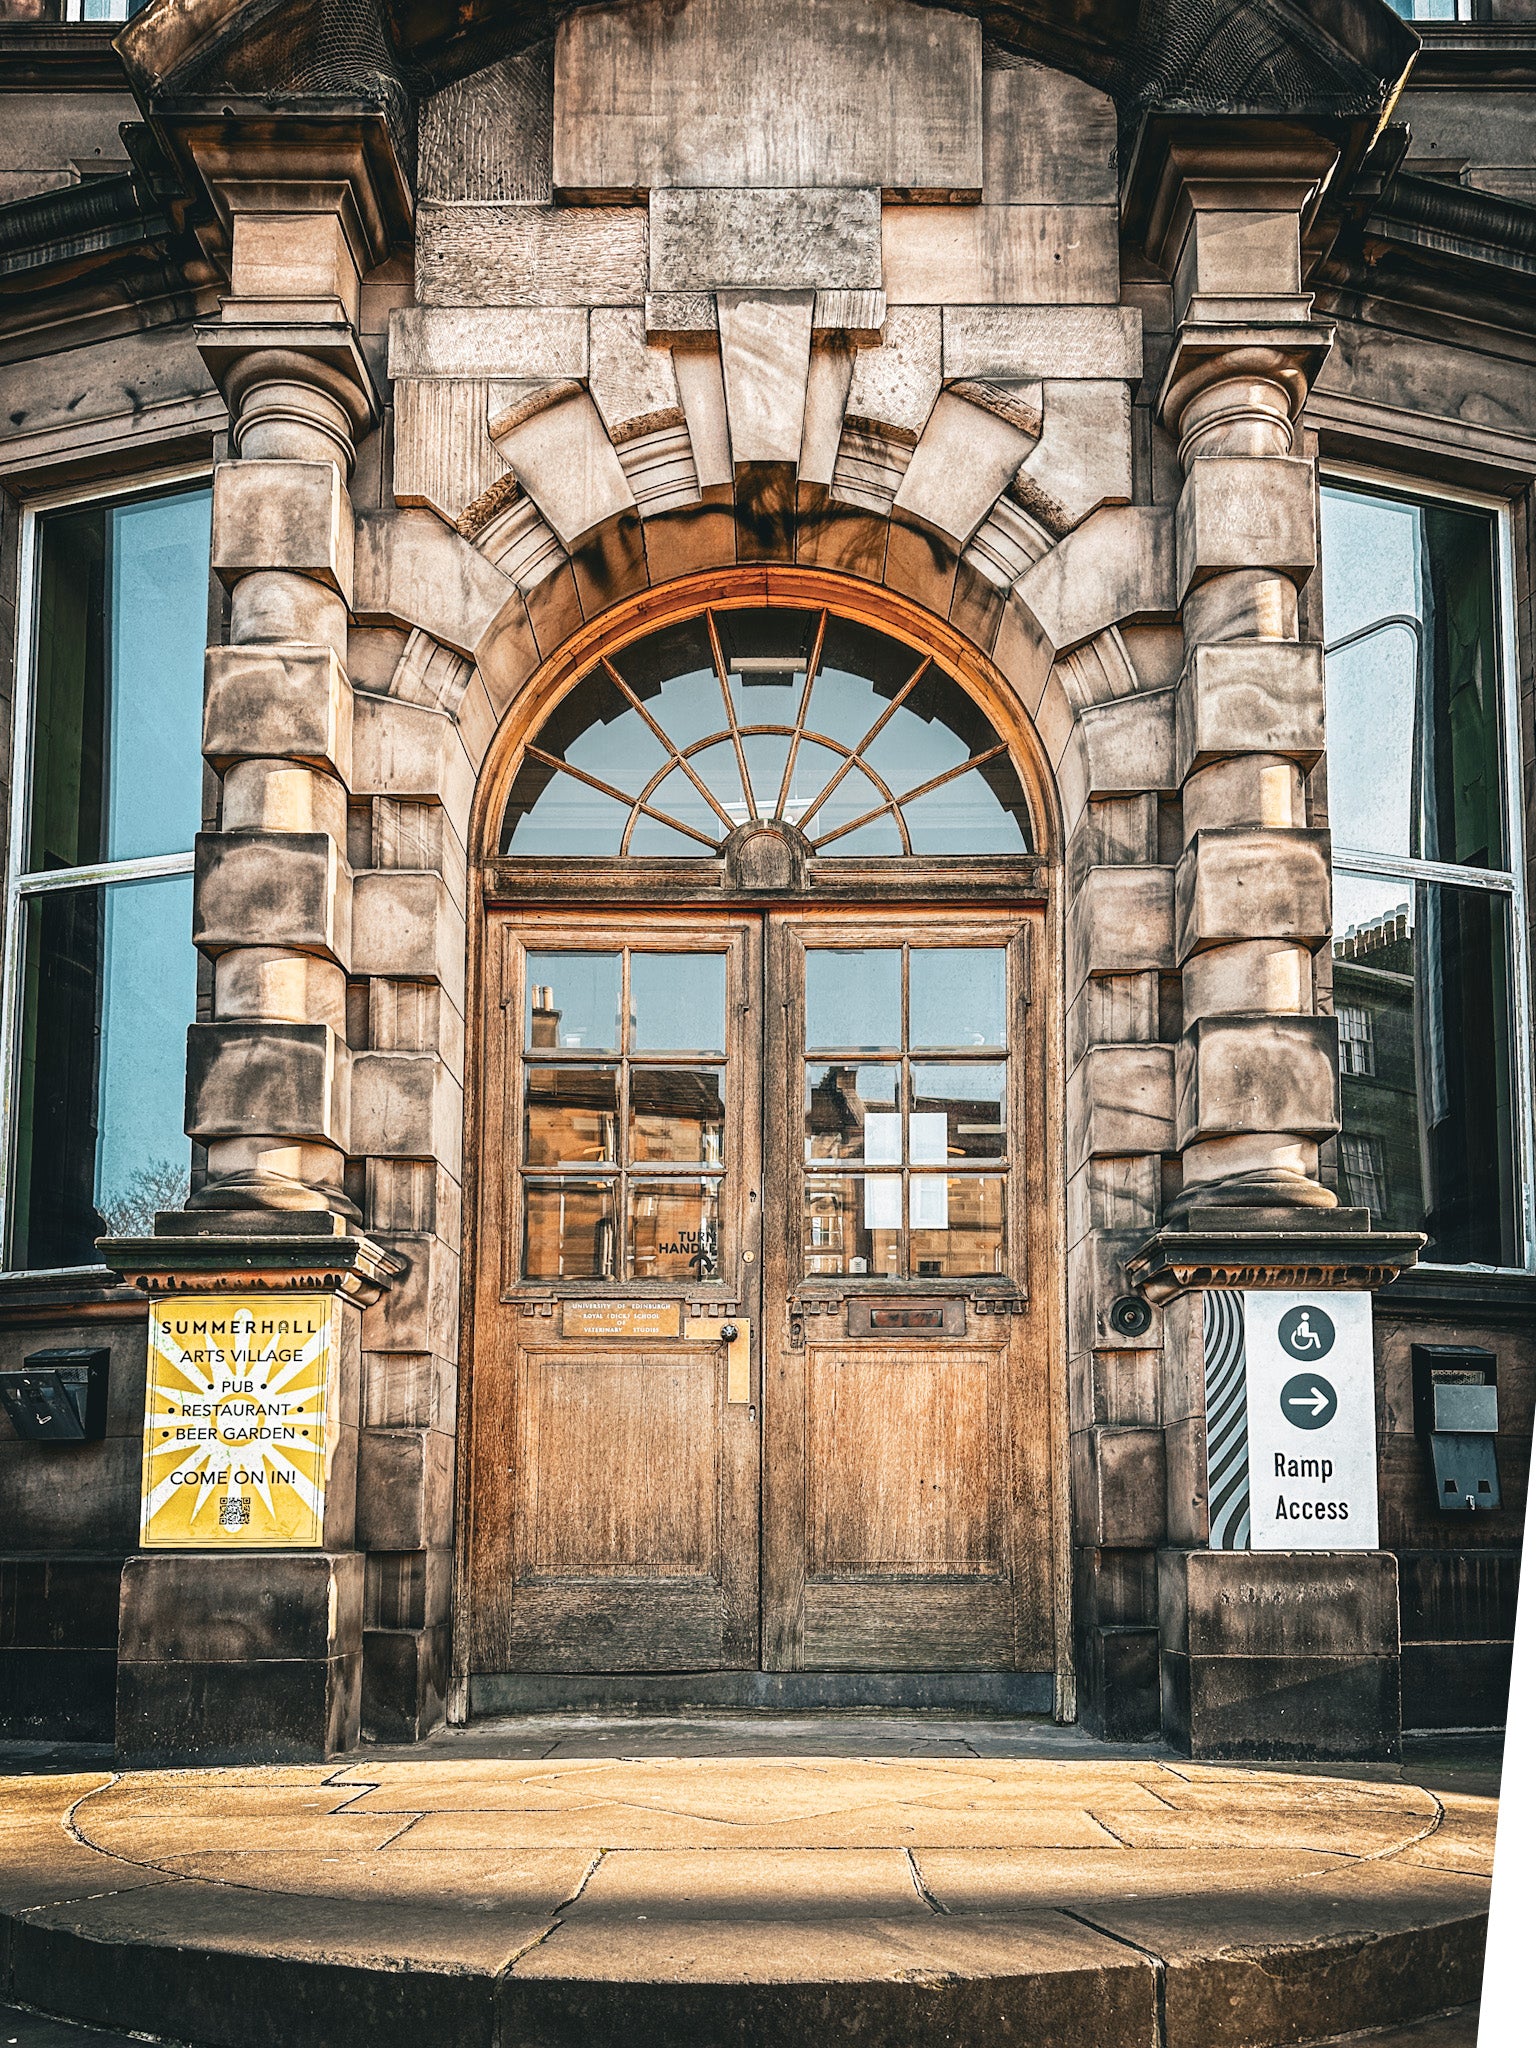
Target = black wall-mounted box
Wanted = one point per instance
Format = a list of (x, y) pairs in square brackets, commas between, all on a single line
[(1456, 1418), (58, 1397)]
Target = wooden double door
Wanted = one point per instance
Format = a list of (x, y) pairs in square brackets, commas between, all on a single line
[(759, 1372)]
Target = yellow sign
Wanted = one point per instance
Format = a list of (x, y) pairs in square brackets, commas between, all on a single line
[(236, 1421), (622, 1319)]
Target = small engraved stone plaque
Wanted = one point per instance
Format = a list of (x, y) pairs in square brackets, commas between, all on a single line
[(622, 1319)]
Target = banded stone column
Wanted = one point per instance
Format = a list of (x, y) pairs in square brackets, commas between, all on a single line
[(1255, 1082), (268, 1078)]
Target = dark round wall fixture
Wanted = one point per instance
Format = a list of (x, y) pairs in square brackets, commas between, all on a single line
[(1130, 1316)]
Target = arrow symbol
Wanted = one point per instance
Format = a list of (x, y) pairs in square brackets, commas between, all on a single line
[(1314, 1398)]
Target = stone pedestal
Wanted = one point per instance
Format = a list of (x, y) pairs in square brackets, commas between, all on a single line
[(1264, 1654), (1280, 1654), (253, 1658), (231, 1654)]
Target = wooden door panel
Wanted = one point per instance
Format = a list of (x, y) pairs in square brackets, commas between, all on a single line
[(615, 1479), (620, 1465), (907, 1481), (963, 1624), (646, 1623), (904, 1463)]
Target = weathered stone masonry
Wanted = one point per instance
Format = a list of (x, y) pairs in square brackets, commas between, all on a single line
[(1015, 340)]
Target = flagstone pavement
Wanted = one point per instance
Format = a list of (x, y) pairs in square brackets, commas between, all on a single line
[(880, 1879)]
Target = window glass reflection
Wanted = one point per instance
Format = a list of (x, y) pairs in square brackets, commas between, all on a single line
[(677, 1114), (109, 986), (122, 626), (959, 996), (1422, 972), (853, 1112), (957, 1226), (674, 1230), (677, 1002), (792, 694), (965, 1106), (853, 999), (573, 1001), (571, 1116), (851, 1226), (1410, 595), (568, 1230)]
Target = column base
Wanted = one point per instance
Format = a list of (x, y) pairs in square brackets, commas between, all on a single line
[(253, 1657), (1275, 1655)]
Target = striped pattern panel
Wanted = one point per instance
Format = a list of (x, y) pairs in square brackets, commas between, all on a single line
[(1226, 1420)]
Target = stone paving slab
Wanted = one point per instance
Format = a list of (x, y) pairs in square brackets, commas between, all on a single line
[(996, 1885)]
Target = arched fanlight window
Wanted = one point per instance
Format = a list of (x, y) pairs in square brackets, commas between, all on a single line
[(669, 745)]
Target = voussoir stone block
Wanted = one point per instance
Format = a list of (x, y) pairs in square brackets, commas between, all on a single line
[(1238, 1074), (283, 515), (412, 570), (765, 358), (1251, 697), (1120, 922), (284, 889), (407, 1105), (250, 1079), (960, 467), (897, 384), (633, 382), (1120, 1101), (774, 240), (405, 925), (1117, 567), (1249, 883), (280, 703), (1247, 512), (564, 460), (1083, 457)]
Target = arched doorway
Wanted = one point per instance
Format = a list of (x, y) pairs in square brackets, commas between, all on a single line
[(764, 1391)]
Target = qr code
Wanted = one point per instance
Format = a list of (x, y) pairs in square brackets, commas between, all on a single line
[(235, 1512)]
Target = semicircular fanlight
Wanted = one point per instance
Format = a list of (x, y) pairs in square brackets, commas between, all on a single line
[(666, 747)]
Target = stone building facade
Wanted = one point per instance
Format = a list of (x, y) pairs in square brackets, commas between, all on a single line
[(792, 594)]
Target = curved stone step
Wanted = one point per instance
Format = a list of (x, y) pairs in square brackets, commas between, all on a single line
[(684, 1902)]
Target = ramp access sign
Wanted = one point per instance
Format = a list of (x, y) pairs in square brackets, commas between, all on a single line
[(1311, 1421)]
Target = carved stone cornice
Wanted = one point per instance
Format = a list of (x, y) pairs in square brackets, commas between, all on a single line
[(1294, 1252), (248, 1261)]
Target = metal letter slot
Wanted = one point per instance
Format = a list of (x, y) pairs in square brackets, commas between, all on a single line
[(872, 1317)]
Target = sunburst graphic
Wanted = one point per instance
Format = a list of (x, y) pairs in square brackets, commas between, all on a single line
[(235, 1421)]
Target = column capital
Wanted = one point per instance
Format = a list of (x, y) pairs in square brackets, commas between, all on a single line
[(1283, 357), (1291, 1249), (199, 1253)]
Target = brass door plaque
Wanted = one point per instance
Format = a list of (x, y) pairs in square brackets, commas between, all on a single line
[(622, 1319)]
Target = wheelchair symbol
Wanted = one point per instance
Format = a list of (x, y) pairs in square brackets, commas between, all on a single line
[(1306, 1333)]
